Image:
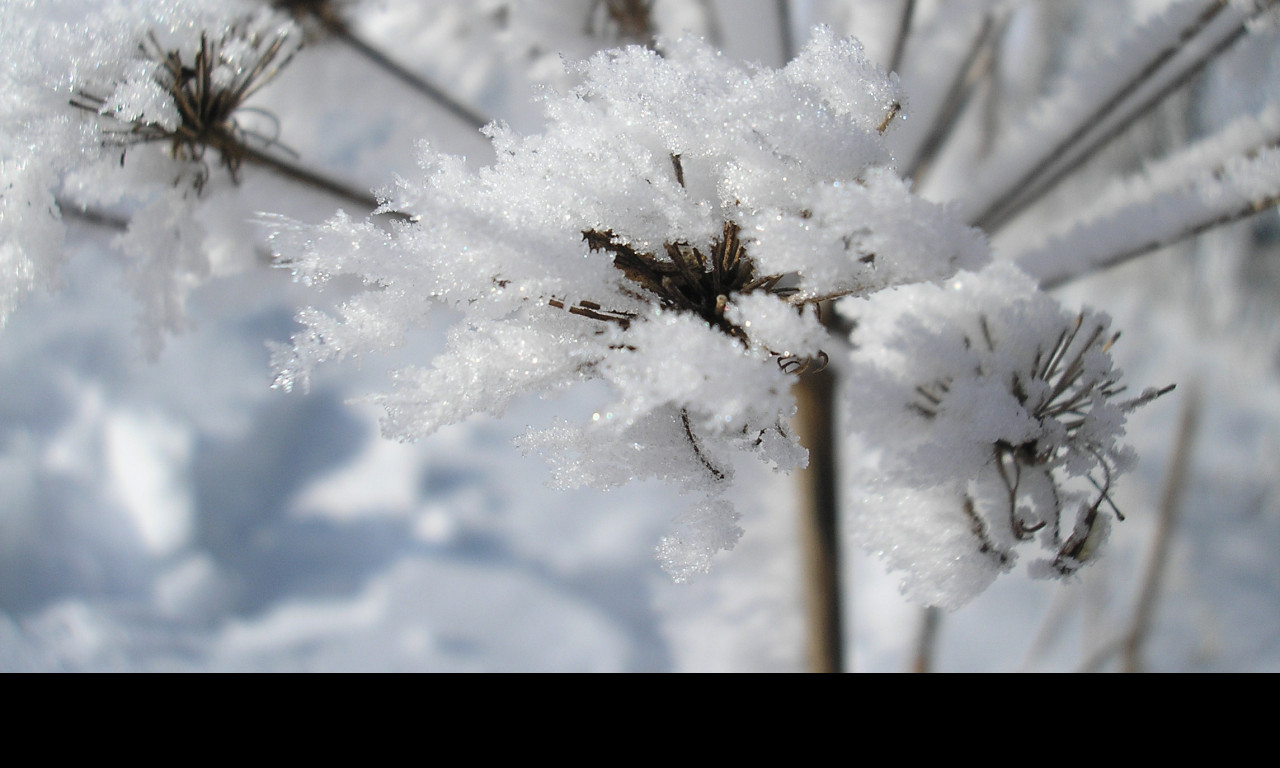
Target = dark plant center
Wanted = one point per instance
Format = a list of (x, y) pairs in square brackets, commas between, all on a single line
[(688, 279)]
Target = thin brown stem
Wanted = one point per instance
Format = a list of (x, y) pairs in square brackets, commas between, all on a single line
[(974, 67), (1170, 501), (415, 81), (819, 521), (922, 662), (314, 180), (92, 216), (904, 32), (697, 449)]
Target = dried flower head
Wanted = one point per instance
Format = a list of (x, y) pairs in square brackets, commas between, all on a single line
[(189, 99), (1009, 415), (668, 234), (686, 279)]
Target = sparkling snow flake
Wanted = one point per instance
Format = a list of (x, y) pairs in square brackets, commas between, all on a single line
[(672, 232)]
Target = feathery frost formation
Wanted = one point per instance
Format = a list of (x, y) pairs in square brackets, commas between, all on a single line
[(1003, 414), (672, 233), (125, 105)]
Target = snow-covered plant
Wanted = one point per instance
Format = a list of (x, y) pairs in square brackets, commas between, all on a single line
[(189, 99), (996, 418), (674, 232), (113, 115), (678, 231)]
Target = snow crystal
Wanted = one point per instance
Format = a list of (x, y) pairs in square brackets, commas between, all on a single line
[(670, 232), (992, 408)]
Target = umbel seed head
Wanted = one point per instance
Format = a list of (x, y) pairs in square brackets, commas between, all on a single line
[(207, 88)]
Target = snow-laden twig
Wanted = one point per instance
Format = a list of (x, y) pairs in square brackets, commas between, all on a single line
[(1083, 116), (1231, 175)]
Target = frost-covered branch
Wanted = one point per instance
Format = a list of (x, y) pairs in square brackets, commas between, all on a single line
[(1075, 123), (1219, 180)]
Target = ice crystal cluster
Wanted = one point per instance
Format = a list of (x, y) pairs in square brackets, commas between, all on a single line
[(680, 234), (1005, 412), (130, 104), (672, 232)]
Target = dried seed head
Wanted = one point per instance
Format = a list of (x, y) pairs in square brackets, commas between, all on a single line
[(702, 283), (207, 89), (1071, 393)]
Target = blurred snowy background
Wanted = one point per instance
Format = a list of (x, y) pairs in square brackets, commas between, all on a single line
[(178, 514)]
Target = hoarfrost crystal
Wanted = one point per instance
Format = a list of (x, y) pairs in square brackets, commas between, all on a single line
[(86, 84), (672, 233), (996, 417)]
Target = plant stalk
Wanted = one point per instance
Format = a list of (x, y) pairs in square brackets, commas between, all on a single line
[(819, 521), (1170, 501), (418, 83)]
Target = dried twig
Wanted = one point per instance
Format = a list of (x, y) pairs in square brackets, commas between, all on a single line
[(1170, 501), (330, 18), (904, 32), (316, 180), (976, 65), (927, 640), (92, 216), (1069, 153)]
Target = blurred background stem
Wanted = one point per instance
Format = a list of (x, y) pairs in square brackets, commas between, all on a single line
[(1170, 501)]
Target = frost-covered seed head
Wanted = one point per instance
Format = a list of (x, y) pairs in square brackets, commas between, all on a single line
[(1008, 423), (206, 89), (687, 280), (670, 233)]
